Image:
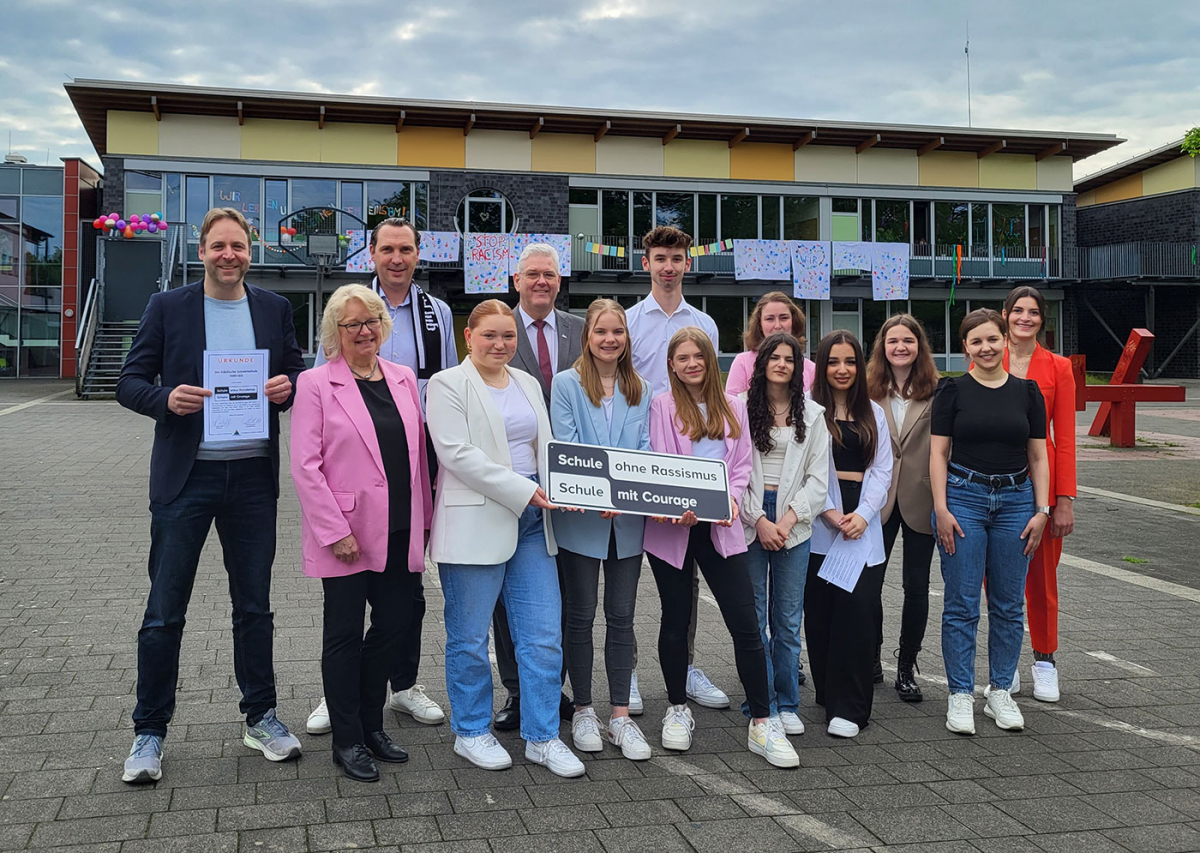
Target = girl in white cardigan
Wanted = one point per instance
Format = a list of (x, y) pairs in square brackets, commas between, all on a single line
[(787, 491)]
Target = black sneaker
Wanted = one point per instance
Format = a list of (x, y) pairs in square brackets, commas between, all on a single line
[(906, 682)]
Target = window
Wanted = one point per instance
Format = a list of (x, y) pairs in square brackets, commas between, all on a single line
[(578, 196), (729, 313), (352, 201), (643, 216), (42, 182), (173, 209), (1037, 228), (614, 213), (801, 218), (958, 313), (950, 225), (197, 204), (739, 217), (1054, 232), (386, 199), (1008, 227), (932, 314), (242, 194), (979, 230), (313, 193), (873, 315), (42, 224), (421, 205), (770, 217), (866, 220), (143, 193), (676, 209), (922, 237), (10, 180), (707, 232), (892, 221), (845, 205)]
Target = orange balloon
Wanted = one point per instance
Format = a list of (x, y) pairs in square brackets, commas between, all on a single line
[(128, 232)]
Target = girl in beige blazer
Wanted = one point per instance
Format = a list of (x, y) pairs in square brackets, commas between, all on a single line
[(901, 378)]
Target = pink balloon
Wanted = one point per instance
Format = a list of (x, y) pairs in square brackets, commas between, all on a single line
[(162, 226), (135, 218)]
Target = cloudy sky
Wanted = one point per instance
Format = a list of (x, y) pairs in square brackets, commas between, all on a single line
[(1096, 66)]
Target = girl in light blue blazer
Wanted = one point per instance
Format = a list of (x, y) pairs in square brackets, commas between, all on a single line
[(601, 400)]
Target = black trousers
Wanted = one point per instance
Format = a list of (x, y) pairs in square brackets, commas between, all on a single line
[(918, 555), (355, 668), (729, 580), (408, 660), (841, 628), (506, 652)]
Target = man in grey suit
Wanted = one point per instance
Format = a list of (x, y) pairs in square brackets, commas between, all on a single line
[(548, 341)]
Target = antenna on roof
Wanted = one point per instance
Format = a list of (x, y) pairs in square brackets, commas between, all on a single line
[(967, 51)]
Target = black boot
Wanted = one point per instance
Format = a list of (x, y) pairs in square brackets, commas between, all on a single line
[(384, 748), (356, 763), (906, 682)]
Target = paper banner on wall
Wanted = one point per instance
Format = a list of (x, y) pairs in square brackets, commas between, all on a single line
[(810, 269), (362, 261), (485, 264), (889, 275), (767, 260), (853, 255), (561, 242), (439, 247)]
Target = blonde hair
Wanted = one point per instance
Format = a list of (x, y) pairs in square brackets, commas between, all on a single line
[(628, 381), (721, 419), (216, 215), (753, 337), (331, 341)]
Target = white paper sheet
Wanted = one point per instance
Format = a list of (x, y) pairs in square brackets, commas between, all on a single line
[(844, 563), (238, 408)]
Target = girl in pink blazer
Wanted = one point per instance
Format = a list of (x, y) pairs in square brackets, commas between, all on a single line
[(359, 464), (697, 418)]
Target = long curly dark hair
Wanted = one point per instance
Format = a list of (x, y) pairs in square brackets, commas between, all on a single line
[(758, 407)]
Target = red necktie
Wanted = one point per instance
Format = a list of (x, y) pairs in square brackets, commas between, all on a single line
[(544, 353)]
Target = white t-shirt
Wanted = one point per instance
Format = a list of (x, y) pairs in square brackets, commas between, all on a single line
[(607, 404), (708, 448), (899, 409), (520, 426), (772, 461)]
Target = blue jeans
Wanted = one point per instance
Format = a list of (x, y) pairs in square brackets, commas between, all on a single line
[(778, 579), (991, 518), (528, 582), (240, 497)]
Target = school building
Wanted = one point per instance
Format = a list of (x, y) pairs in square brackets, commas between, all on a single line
[(981, 209)]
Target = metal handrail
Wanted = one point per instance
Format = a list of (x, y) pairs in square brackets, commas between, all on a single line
[(88, 324), (87, 314)]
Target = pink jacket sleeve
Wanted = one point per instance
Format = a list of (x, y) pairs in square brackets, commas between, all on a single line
[(320, 509), (422, 475), (739, 459), (739, 374)]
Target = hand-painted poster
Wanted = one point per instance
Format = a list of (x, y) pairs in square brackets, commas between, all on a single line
[(765, 260), (439, 247), (561, 243), (810, 269), (360, 262), (853, 255), (889, 275), (485, 264)]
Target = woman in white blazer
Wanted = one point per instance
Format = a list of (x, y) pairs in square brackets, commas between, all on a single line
[(789, 480), (491, 536), (601, 400), (841, 626)]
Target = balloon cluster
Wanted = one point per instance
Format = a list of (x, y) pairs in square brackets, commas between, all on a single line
[(114, 224), (290, 232)]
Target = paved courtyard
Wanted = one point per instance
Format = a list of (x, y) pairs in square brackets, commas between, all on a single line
[(1114, 766)]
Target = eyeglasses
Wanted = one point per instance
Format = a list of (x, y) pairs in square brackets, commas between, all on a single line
[(355, 328)]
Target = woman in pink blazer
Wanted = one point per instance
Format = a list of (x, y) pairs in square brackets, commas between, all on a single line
[(697, 418), (360, 469)]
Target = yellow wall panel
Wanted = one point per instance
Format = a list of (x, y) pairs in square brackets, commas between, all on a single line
[(433, 147), (1130, 187), (347, 142), (629, 155), (1179, 174), (216, 137), (279, 139), (696, 158), (510, 150), (948, 169), (1055, 173), (760, 161), (834, 164), (131, 133), (1086, 199), (564, 152), (893, 166), (1008, 172)]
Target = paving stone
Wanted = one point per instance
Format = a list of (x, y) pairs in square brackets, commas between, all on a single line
[(1075, 842), (341, 836), (278, 815), (647, 813), (984, 819), (826, 831), (711, 836), (584, 816), (406, 830), (284, 839), (639, 839), (89, 830), (577, 841), (912, 825), (411, 805), (1057, 814), (485, 825), (169, 824), (1163, 838), (488, 799), (223, 842)]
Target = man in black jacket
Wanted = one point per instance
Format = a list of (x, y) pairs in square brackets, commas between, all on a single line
[(195, 482)]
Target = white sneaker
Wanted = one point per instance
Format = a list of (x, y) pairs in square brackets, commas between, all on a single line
[(483, 751), (960, 713), (841, 727), (624, 732), (703, 692), (318, 720), (1013, 691), (555, 757), (414, 701), (585, 731), (677, 726), (635, 697), (767, 739), (792, 724), (1001, 708), (1045, 681)]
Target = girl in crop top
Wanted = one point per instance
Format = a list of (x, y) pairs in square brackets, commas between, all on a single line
[(990, 478), (789, 481), (841, 626)]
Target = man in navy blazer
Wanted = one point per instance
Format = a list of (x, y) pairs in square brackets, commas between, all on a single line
[(194, 483)]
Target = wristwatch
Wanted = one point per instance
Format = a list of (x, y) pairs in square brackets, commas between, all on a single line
[(1044, 510)]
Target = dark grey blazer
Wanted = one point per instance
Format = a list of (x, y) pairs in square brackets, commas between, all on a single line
[(570, 345)]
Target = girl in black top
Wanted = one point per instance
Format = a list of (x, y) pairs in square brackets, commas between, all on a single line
[(991, 480)]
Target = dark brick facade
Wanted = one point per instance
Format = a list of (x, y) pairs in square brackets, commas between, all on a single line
[(113, 194), (1125, 307), (540, 202), (1169, 218)]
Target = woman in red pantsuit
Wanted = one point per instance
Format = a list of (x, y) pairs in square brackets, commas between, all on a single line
[(1025, 311)]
